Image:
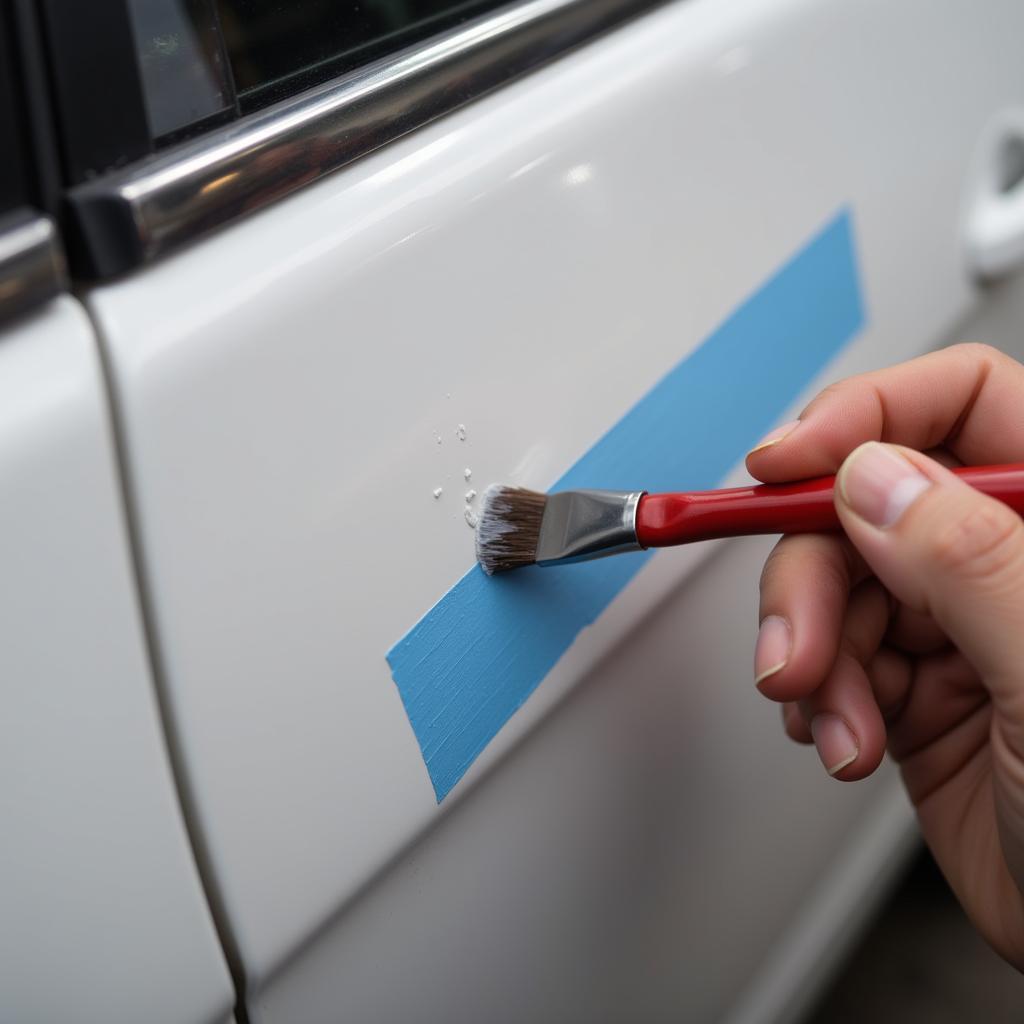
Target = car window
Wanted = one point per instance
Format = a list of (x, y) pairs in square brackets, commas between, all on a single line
[(225, 106), (186, 81), (277, 49)]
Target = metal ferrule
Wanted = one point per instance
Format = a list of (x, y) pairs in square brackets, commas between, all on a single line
[(580, 525)]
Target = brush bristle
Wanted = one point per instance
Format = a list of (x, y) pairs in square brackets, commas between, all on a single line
[(509, 528)]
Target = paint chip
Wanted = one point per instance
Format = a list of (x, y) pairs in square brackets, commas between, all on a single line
[(470, 495), (471, 517), (460, 432), (438, 491), (467, 472)]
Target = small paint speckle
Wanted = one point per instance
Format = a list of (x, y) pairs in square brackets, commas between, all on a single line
[(467, 472), (471, 517), (460, 432), (470, 495), (438, 491)]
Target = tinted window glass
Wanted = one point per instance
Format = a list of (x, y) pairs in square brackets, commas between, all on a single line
[(13, 179), (94, 79), (185, 79), (277, 47)]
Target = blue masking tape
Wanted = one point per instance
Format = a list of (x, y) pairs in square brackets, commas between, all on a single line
[(474, 658)]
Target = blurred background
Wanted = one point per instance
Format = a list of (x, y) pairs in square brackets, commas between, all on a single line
[(921, 959)]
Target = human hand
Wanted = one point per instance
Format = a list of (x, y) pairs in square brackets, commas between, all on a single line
[(908, 632)]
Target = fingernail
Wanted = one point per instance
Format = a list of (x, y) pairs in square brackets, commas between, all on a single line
[(880, 484), (837, 746), (774, 436), (774, 640)]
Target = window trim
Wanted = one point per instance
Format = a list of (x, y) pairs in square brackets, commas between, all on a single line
[(31, 262), (130, 217)]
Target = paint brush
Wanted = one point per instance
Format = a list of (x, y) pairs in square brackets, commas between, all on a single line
[(519, 527)]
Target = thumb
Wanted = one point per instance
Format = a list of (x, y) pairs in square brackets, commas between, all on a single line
[(943, 548)]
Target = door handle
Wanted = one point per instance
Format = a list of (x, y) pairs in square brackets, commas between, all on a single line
[(995, 222)]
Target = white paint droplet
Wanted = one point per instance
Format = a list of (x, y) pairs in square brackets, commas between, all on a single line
[(460, 432), (467, 472), (470, 495), (438, 491), (471, 517)]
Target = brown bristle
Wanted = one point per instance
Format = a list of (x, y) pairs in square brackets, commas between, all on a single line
[(509, 528)]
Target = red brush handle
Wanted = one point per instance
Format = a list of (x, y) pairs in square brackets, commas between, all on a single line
[(663, 520)]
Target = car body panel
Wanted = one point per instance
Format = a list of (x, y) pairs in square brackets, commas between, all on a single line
[(291, 392), (103, 914)]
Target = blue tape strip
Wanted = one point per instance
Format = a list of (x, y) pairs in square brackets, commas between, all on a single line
[(474, 658)]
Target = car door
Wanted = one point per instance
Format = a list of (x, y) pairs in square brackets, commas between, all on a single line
[(103, 916), (401, 252)]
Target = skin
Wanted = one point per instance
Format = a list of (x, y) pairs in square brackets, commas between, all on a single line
[(913, 633)]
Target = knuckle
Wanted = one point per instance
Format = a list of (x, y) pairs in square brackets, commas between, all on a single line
[(837, 389), (820, 561), (774, 564), (978, 351), (767, 571), (832, 577), (827, 395), (986, 542)]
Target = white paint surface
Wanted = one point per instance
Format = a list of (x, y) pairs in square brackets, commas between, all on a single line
[(102, 918), (634, 859), (626, 198)]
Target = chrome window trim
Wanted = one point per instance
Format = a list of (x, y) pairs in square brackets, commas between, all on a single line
[(131, 216), (31, 262)]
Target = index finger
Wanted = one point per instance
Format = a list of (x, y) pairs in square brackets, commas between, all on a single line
[(968, 398)]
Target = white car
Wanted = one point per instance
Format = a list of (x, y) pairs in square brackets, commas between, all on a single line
[(272, 749)]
